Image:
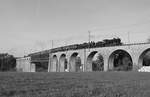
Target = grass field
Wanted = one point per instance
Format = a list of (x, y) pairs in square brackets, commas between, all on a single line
[(94, 84)]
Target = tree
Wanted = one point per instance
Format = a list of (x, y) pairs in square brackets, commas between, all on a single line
[(146, 59), (78, 64), (98, 64), (7, 62)]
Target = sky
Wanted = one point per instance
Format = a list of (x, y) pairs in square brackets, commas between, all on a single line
[(28, 26)]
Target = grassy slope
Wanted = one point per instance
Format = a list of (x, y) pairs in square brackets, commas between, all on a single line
[(95, 84)]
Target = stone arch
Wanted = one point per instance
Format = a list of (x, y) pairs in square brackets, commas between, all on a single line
[(90, 62), (120, 60), (40, 66), (75, 63), (144, 58), (54, 63), (63, 63)]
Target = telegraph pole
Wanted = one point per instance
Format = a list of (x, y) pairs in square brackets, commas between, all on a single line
[(52, 43), (128, 37), (89, 39), (89, 36)]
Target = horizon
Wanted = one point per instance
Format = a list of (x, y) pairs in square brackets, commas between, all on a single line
[(30, 26)]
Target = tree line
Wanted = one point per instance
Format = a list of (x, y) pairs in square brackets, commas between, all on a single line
[(7, 62)]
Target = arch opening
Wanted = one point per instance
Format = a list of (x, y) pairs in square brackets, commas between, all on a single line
[(75, 63), (95, 62), (39, 66), (120, 60), (63, 63), (144, 58), (54, 63)]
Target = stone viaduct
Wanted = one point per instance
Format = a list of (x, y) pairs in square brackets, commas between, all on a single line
[(65, 60)]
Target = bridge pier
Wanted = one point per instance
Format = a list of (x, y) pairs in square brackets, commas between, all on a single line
[(82, 55), (24, 64), (106, 65)]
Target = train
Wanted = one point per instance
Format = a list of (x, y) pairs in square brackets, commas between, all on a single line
[(44, 55), (91, 44)]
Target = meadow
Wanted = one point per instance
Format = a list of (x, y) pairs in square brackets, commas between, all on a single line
[(87, 84)]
